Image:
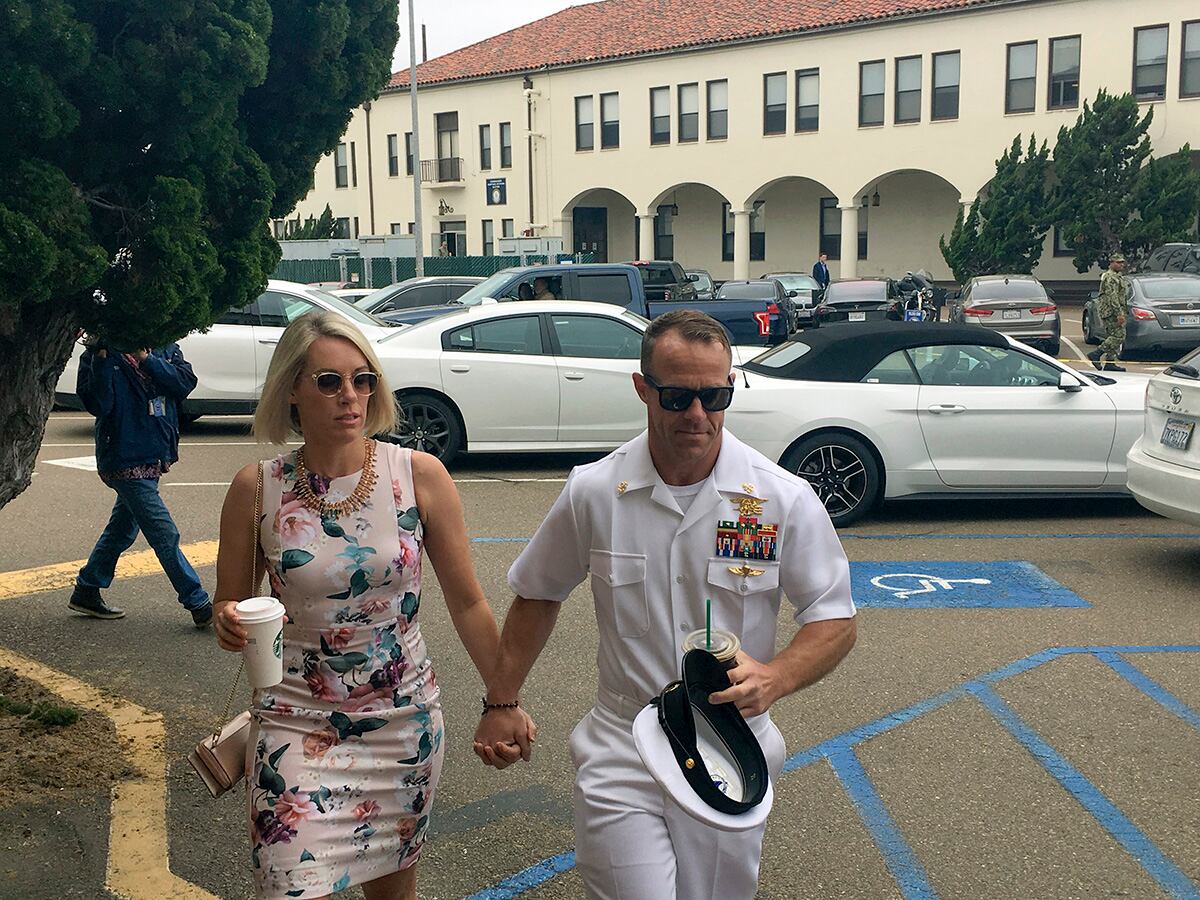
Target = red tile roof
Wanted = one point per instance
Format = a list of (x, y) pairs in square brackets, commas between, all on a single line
[(613, 29)]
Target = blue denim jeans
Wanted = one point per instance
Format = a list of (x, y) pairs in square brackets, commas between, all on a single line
[(140, 508)]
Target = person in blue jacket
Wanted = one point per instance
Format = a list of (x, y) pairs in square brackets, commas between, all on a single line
[(820, 272), (135, 398)]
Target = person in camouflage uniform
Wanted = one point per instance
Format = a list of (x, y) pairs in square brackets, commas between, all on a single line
[(1110, 307)]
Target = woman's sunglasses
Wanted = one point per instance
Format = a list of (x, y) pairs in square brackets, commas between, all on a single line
[(677, 399), (330, 383)]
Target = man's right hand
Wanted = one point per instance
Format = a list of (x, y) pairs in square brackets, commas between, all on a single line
[(504, 736)]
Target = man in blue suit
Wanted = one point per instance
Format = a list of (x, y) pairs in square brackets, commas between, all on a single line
[(820, 271)]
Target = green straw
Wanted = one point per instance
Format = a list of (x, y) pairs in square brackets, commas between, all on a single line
[(707, 624)]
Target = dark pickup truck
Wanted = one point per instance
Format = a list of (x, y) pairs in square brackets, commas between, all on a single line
[(748, 322)]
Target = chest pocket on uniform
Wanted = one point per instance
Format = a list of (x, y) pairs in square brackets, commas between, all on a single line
[(621, 577), (753, 575)]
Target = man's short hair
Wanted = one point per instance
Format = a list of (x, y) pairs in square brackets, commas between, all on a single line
[(692, 326), (822, 255)]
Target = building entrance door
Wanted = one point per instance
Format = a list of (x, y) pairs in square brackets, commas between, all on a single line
[(591, 231)]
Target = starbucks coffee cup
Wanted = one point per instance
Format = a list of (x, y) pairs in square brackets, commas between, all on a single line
[(262, 617), (725, 644)]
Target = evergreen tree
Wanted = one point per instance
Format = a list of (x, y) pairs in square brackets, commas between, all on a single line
[(1004, 231), (146, 144), (312, 229), (1167, 200)]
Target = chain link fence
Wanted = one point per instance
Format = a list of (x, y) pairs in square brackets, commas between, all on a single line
[(377, 272)]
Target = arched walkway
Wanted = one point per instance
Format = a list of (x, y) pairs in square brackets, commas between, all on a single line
[(683, 223), (599, 221), (790, 220), (906, 212)]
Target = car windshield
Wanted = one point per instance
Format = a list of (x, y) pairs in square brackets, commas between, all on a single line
[(489, 287), (351, 311), (703, 282), (1171, 288), (1023, 289), (850, 291), (782, 355), (657, 276), (369, 300), (748, 290), (797, 282)]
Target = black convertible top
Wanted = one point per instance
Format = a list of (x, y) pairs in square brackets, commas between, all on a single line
[(846, 352)]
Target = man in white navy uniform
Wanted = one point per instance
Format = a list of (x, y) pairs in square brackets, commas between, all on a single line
[(681, 513)]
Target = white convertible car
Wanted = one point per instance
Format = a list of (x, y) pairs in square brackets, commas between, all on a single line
[(917, 410)]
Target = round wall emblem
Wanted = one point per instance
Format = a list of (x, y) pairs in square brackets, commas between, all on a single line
[(1176, 396)]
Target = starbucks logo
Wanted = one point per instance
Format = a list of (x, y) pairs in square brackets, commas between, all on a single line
[(277, 648)]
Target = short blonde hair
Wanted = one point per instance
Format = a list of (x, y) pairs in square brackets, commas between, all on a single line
[(275, 418)]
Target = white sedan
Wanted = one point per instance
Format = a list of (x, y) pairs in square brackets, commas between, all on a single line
[(917, 410), (1164, 464)]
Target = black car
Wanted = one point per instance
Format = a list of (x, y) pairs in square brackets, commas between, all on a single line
[(858, 300), (804, 291), (413, 292), (1162, 313), (1174, 258), (762, 289), (665, 280)]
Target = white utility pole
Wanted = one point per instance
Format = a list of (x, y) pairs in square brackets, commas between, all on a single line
[(418, 228)]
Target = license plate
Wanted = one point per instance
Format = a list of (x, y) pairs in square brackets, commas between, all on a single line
[(1010, 314), (1189, 320), (1178, 433), (858, 317)]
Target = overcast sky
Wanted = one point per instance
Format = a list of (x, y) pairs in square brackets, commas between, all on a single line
[(451, 24)]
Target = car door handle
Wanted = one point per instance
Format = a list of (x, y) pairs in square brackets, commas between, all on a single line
[(268, 340), (940, 409), (460, 367), (573, 376)]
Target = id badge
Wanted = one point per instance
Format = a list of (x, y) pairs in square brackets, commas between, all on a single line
[(158, 406)]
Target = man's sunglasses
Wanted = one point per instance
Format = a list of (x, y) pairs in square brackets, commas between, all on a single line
[(677, 399), (330, 383)]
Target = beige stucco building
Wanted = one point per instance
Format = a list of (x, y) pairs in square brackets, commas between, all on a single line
[(747, 138)]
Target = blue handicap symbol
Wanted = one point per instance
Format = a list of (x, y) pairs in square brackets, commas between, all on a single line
[(921, 584)]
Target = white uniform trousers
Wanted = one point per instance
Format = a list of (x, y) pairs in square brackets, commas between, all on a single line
[(632, 842)]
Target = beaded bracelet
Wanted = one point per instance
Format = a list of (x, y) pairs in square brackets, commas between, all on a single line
[(488, 707)]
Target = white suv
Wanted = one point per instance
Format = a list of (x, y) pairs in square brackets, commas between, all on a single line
[(1164, 463)]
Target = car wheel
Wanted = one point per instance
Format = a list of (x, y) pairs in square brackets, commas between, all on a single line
[(841, 469), (1088, 336), (1053, 348), (428, 424)]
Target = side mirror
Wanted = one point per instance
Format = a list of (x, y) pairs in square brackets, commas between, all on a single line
[(693, 277), (793, 293), (1069, 383), (488, 301)]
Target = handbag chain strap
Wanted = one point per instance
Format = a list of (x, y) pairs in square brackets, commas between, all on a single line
[(258, 502)]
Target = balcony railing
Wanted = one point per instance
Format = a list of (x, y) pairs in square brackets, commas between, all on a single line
[(442, 171)]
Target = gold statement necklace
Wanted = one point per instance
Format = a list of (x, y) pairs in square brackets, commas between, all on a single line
[(358, 497)]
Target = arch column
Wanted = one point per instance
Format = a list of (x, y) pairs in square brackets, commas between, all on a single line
[(741, 245), (848, 266), (646, 235)]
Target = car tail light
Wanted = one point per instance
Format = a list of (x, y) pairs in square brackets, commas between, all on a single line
[(666, 294), (1044, 310), (1144, 314), (764, 323), (977, 311)]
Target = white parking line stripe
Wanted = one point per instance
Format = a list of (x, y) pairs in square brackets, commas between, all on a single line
[(1079, 353)]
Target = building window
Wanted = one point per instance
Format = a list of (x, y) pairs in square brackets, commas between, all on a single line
[(610, 121), (412, 228), (396, 228), (341, 177), (485, 147), (353, 167), (1061, 247), (831, 228), (908, 89), (1020, 90), (342, 227), (946, 73), (356, 226), (1064, 72), (585, 123), (726, 233), (449, 159), (758, 232), (689, 113), (408, 154), (1189, 67), (506, 145), (664, 233), (393, 141), (506, 228), (1150, 63), (660, 115), (862, 231), (718, 110), (489, 237), (871, 78), (775, 103), (808, 100)]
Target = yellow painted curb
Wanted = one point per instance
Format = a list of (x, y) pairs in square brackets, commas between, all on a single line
[(58, 576), (138, 863)]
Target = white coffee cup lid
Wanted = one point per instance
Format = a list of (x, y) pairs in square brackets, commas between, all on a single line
[(259, 609)]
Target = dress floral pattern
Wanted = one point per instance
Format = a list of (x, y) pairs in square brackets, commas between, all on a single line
[(348, 748)]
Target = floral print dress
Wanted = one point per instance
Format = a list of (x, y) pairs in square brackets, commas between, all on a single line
[(347, 750)]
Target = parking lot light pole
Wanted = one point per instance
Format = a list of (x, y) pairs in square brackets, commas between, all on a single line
[(418, 226)]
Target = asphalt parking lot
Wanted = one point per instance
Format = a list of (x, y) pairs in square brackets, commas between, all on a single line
[(1021, 716)]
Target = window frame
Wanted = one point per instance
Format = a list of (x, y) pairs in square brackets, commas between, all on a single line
[(556, 347), (664, 240), (896, 119), (485, 148), (506, 148), (709, 134), (605, 123), (1166, 63), (1009, 110), (447, 336), (665, 91), (679, 113), (933, 87), (814, 72), (353, 166), (832, 251), (393, 150), (882, 95), (408, 153), (1050, 104), (1063, 252), (585, 132), (1183, 47), (776, 108), (509, 225), (341, 166), (488, 236)]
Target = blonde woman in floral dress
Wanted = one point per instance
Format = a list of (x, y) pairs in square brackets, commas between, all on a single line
[(347, 750)]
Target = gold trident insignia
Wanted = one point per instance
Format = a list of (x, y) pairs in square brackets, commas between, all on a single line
[(745, 571), (749, 506)]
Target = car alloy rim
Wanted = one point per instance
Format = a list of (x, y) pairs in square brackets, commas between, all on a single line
[(424, 428), (837, 475)]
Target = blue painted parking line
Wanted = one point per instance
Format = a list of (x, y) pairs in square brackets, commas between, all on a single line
[(898, 856), (923, 584)]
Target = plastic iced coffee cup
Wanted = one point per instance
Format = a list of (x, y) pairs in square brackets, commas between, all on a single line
[(262, 617), (725, 645)]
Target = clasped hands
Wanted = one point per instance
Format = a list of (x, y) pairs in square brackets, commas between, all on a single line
[(504, 736)]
